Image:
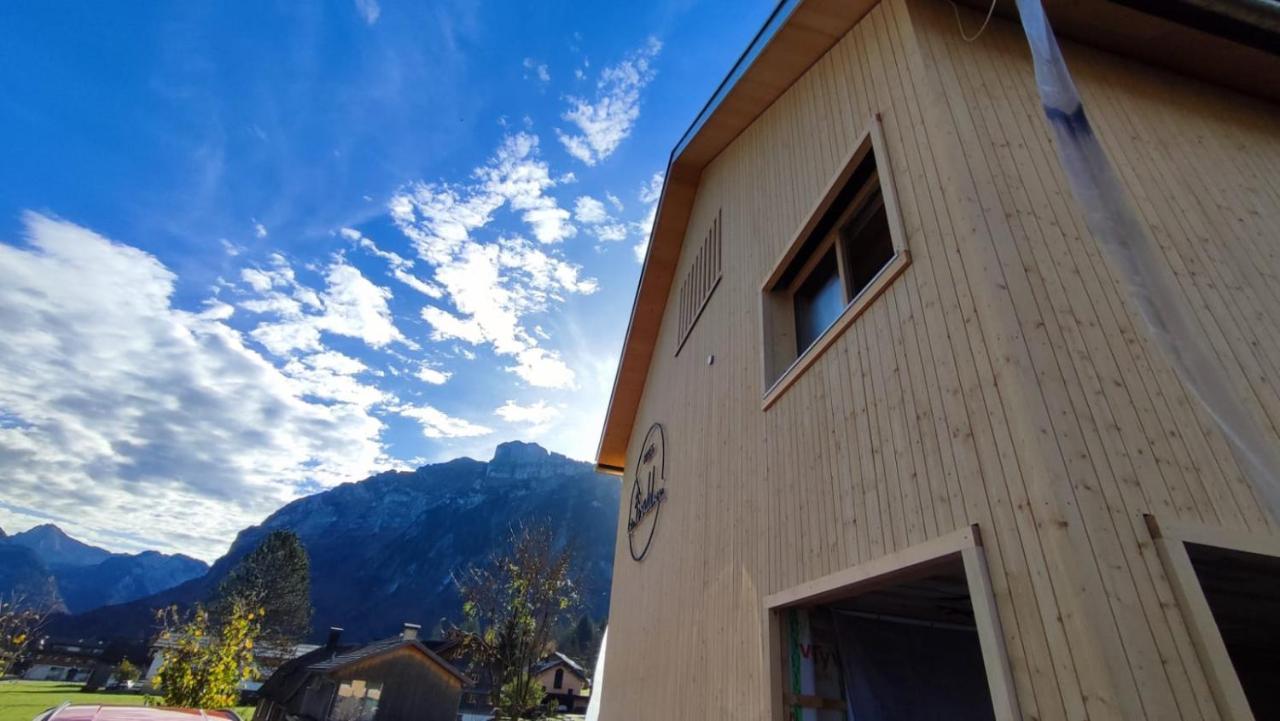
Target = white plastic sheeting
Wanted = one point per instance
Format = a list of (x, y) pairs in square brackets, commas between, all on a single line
[(1131, 251), (597, 681)]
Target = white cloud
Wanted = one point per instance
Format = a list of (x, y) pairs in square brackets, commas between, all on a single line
[(259, 229), (589, 210), (603, 123), (518, 176), (652, 190), (432, 375), (439, 217), (438, 424), (400, 266), (336, 362), (614, 201), (542, 368), (139, 424), (611, 232), (538, 416), (490, 286), (216, 310), (369, 10), (649, 193), (538, 69), (350, 305)]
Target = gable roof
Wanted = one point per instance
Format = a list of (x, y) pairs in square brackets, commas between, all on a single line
[(559, 659), (293, 676), (796, 35)]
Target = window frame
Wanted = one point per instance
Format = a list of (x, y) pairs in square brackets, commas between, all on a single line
[(916, 561), (782, 368), (1171, 539)]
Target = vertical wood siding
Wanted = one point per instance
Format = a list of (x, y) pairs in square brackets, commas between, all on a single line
[(1001, 380), (414, 688)]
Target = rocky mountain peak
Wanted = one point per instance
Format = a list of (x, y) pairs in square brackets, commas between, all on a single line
[(518, 460), (55, 547), (519, 452)]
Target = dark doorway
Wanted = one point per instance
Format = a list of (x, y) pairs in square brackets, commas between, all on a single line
[(904, 652), (1243, 591)]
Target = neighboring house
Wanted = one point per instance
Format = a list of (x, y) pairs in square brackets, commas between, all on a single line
[(395, 679), (561, 678), (62, 660), (266, 659), (477, 701), (565, 681), (899, 435), (103, 673)]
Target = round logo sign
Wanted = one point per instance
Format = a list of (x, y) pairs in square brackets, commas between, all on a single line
[(648, 491)]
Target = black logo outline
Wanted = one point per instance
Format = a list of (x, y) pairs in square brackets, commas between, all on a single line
[(649, 498)]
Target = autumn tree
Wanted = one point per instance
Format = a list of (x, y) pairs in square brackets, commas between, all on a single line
[(276, 577), (512, 603), (127, 672), (20, 623), (205, 663)]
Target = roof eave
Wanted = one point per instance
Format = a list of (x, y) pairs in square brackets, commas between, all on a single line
[(796, 35)]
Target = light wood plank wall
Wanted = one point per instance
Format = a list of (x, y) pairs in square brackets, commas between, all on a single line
[(1002, 380)]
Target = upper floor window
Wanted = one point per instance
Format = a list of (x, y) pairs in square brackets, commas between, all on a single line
[(849, 249), (356, 700)]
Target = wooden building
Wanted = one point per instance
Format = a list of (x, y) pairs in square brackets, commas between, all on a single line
[(564, 681), (395, 679), (893, 441)]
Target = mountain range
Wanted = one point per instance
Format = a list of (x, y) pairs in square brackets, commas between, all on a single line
[(384, 550), (49, 568)]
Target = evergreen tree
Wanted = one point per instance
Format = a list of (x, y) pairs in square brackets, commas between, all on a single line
[(276, 577), (581, 641)]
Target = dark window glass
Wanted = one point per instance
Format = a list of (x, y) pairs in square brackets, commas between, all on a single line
[(818, 301), (559, 677), (868, 247)]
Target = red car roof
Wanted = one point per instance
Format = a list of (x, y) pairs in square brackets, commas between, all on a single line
[(135, 713)]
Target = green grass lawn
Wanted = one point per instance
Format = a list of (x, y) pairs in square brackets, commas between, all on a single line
[(22, 700)]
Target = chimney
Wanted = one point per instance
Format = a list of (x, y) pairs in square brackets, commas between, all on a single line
[(410, 632), (334, 634)]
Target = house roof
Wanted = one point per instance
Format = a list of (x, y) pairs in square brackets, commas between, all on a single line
[(799, 32), (559, 659), (293, 676)]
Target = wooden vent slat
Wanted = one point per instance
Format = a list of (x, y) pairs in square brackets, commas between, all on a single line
[(699, 282)]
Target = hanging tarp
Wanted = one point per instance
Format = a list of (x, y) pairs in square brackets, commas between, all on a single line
[(902, 670), (1132, 252)]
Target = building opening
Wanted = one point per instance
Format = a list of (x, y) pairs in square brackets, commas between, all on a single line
[(1243, 591), (905, 649)]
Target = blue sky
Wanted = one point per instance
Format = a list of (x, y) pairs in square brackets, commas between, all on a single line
[(253, 250)]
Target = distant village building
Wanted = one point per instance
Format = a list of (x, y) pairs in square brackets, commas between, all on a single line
[(63, 660), (565, 681), (395, 679), (901, 432), (266, 659)]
